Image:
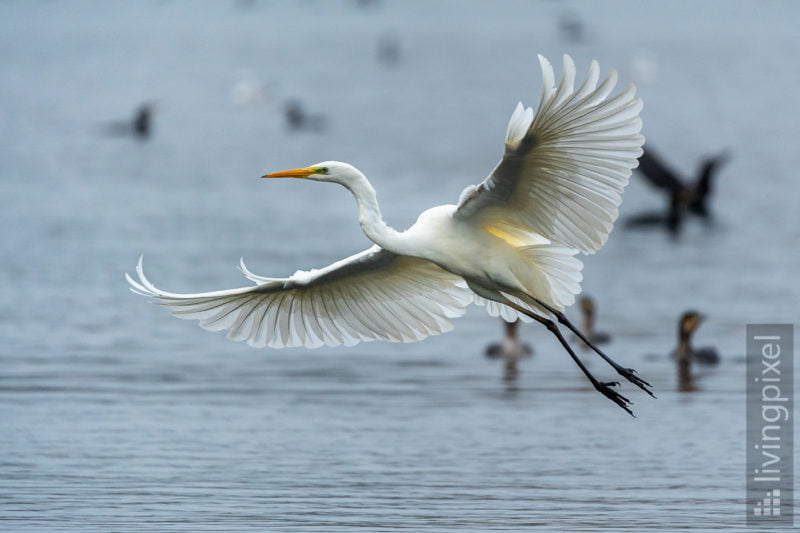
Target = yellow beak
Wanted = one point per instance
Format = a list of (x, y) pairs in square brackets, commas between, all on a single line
[(294, 173)]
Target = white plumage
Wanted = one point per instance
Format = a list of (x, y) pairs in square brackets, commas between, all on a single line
[(509, 243), (372, 295)]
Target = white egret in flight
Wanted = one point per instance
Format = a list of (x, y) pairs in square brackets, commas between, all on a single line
[(508, 244)]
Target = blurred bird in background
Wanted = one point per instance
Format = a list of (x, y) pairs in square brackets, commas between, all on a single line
[(685, 196), (571, 27), (389, 50), (510, 350), (686, 355), (588, 314), (687, 325), (140, 126), (298, 119)]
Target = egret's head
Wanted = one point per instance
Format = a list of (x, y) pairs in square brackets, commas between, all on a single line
[(334, 171)]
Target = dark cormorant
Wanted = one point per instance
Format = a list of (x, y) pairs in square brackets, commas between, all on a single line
[(684, 196)]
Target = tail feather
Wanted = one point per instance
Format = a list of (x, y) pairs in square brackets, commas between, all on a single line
[(551, 274)]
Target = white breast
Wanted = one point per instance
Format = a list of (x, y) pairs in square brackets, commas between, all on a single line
[(453, 244)]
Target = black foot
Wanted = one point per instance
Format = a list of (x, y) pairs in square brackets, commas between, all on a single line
[(614, 396), (630, 375)]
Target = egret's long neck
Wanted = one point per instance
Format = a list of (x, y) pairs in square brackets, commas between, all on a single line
[(369, 214)]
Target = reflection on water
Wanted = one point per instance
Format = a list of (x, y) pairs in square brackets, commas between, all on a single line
[(116, 416), (510, 350)]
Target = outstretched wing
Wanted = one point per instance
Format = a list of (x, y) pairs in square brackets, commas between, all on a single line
[(702, 189), (564, 169), (375, 294), (657, 172)]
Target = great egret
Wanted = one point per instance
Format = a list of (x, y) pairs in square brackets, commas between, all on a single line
[(684, 196), (508, 244)]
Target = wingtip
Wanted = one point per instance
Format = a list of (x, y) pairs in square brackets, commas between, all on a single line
[(143, 285), (518, 125), (544, 64), (247, 273), (568, 63), (548, 79), (136, 287), (140, 267)]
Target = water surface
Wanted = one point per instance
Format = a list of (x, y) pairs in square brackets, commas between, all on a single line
[(114, 416)]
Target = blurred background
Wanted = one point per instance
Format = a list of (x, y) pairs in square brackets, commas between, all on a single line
[(135, 128)]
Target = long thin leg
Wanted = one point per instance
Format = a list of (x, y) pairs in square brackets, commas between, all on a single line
[(603, 387), (627, 373)]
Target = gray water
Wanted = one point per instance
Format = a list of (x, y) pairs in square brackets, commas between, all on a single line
[(116, 417)]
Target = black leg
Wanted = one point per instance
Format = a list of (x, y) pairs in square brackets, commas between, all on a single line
[(602, 387), (627, 373)]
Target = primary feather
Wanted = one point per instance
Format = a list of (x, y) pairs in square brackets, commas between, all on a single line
[(564, 177), (371, 295)]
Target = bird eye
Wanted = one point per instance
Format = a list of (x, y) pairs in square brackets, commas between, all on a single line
[(322, 170)]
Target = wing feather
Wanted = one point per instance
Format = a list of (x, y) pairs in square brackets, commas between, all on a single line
[(564, 177), (375, 294), (658, 173)]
